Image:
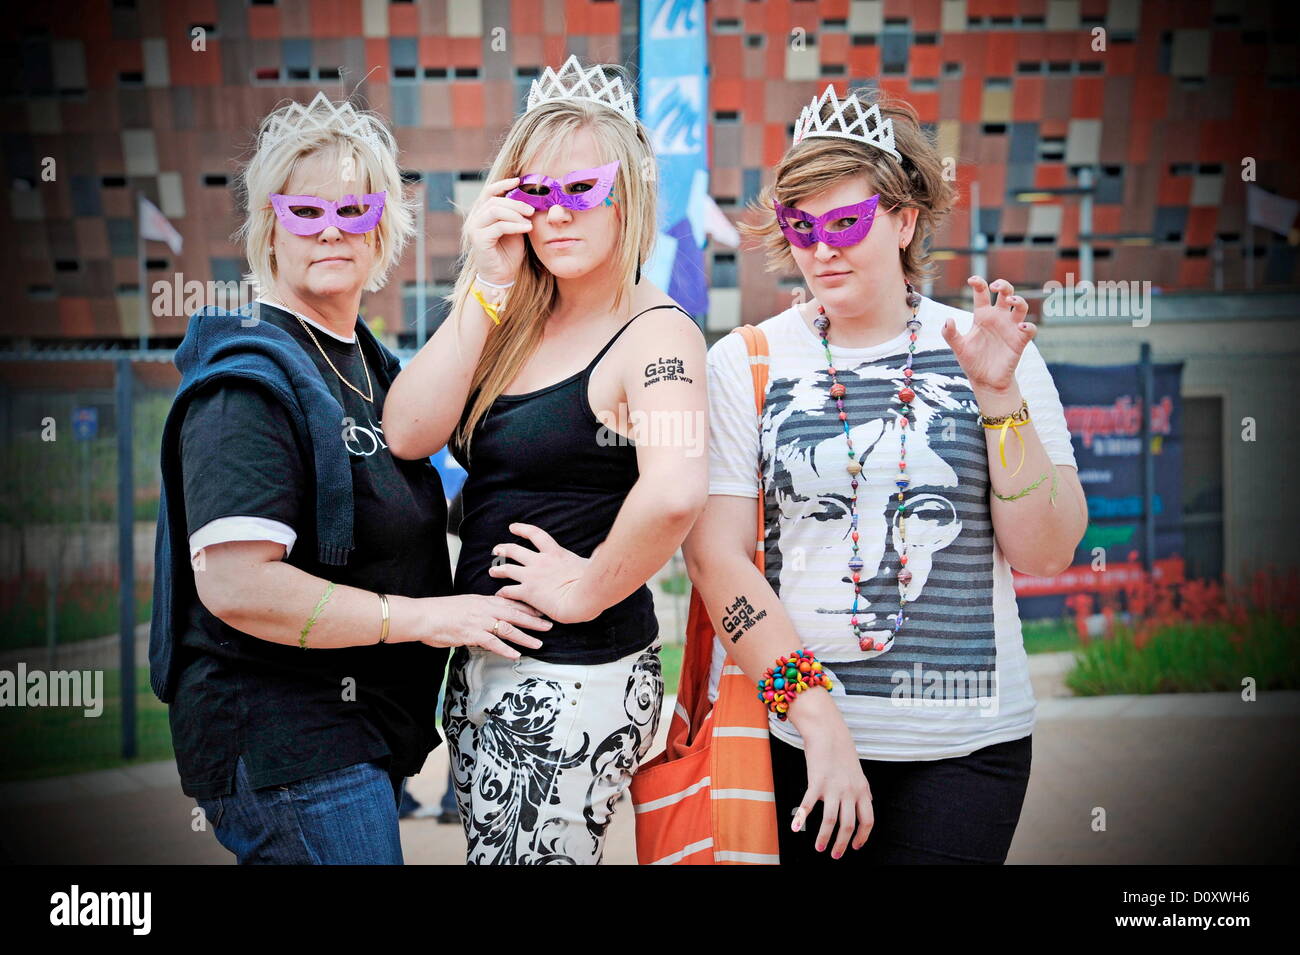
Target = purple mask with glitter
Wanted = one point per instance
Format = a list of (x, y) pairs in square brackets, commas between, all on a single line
[(847, 225), (541, 191), (311, 215)]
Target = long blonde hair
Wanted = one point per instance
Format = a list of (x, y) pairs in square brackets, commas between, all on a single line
[(533, 296)]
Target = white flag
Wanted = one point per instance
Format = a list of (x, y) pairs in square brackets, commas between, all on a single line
[(154, 225), (1270, 210), (718, 225)]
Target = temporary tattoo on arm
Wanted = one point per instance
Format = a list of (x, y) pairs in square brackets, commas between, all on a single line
[(740, 616), (665, 369), (1025, 492)]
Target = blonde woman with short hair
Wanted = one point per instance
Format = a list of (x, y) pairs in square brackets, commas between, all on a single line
[(549, 377), (302, 604)]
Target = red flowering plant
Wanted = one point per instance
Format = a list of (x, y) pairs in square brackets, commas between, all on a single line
[(1179, 634)]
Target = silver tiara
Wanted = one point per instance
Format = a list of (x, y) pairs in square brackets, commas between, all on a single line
[(847, 120), (572, 81), (320, 114)]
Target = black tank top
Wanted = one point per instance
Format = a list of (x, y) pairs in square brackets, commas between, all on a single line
[(538, 458)]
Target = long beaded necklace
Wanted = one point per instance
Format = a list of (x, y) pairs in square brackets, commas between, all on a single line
[(905, 419)]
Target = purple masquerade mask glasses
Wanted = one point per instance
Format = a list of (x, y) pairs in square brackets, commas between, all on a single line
[(579, 190), (847, 225), (311, 215)]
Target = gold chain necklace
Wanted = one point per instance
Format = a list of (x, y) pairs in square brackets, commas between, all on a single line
[(366, 368)]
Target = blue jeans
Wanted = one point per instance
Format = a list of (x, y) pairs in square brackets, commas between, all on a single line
[(344, 817)]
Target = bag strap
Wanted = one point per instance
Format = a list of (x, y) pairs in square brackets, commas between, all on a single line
[(760, 365), (693, 689), (759, 361)]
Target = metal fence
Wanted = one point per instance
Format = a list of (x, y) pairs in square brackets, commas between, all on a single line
[(79, 487), (78, 505), (80, 432)]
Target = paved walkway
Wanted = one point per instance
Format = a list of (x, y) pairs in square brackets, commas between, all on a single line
[(1181, 778)]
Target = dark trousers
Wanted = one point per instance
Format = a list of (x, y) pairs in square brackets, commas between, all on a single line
[(962, 810)]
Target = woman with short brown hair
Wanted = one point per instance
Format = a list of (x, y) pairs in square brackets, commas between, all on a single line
[(911, 454)]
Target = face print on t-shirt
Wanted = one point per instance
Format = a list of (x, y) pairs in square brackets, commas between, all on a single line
[(948, 619)]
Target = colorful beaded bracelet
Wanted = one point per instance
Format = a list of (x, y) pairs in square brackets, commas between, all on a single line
[(791, 676)]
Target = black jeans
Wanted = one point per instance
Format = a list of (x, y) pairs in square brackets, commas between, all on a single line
[(962, 810)]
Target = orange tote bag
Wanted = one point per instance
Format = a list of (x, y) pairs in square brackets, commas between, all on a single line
[(707, 799)]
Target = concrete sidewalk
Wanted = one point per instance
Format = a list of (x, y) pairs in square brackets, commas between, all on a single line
[(1179, 778)]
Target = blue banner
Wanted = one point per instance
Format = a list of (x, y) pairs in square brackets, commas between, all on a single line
[(674, 107)]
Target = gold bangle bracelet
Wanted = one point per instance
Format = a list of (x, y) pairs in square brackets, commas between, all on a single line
[(383, 633)]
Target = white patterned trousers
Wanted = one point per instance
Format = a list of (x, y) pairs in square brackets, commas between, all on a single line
[(542, 752)]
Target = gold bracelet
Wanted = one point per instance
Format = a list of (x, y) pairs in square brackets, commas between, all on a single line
[(383, 633), (311, 621), (1020, 414)]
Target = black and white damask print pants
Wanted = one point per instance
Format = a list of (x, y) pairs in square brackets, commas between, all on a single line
[(541, 752)]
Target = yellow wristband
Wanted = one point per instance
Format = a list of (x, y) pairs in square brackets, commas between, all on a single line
[(491, 310)]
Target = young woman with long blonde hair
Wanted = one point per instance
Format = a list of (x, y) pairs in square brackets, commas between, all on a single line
[(550, 378)]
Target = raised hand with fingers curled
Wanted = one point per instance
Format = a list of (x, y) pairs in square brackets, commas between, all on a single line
[(990, 350)]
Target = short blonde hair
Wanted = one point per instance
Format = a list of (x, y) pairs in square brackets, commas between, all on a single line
[(816, 164), (325, 128)]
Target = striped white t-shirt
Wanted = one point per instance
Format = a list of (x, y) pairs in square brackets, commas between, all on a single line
[(956, 678)]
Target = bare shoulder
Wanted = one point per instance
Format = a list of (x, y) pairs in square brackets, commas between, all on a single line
[(664, 344), (660, 318)]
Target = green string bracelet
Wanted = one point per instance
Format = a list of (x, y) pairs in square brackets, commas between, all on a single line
[(320, 604)]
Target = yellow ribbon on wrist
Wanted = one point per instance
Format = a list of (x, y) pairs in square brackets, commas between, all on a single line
[(493, 311), (1002, 423), (1002, 441)]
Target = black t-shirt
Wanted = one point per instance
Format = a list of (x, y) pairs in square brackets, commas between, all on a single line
[(293, 713)]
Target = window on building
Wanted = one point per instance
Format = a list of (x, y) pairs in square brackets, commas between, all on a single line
[(724, 270)]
